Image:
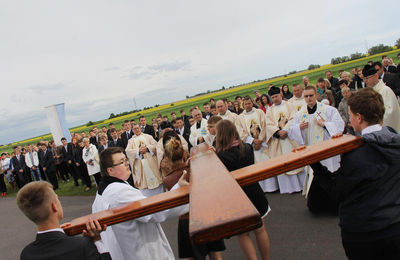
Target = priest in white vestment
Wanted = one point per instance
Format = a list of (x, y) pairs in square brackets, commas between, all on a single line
[(253, 125), (224, 113), (198, 131), (279, 119), (392, 110), (141, 151), (140, 238), (298, 99), (314, 123)]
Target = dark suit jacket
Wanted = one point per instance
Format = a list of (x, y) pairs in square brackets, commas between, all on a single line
[(47, 161), (117, 144), (393, 82), (206, 114), (77, 152), (93, 140), (186, 120), (391, 69), (18, 164), (148, 130), (59, 246), (67, 155), (186, 134), (124, 139), (101, 147)]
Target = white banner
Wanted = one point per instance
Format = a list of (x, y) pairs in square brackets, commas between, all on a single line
[(58, 124)]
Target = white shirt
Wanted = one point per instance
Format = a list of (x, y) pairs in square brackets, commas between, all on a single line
[(371, 128)]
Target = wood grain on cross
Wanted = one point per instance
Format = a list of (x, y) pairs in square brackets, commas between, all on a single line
[(300, 157)]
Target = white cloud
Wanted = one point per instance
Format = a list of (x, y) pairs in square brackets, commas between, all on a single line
[(96, 56)]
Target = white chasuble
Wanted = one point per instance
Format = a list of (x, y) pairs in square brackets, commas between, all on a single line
[(196, 132), (145, 169), (314, 133), (253, 125), (298, 103), (392, 110), (280, 117)]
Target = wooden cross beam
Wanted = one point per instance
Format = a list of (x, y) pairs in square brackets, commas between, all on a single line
[(300, 157)]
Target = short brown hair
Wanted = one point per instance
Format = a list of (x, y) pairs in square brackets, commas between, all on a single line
[(368, 103), (34, 200), (106, 159), (214, 119), (311, 87)]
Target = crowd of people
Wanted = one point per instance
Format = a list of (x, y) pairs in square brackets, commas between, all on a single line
[(141, 159)]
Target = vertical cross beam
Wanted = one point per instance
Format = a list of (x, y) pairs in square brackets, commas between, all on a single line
[(218, 206)]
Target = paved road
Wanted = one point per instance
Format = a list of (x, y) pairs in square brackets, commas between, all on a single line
[(294, 232)]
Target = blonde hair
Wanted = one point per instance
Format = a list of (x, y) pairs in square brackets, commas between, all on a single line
[(174, 150), (34, 200), (345, 89)]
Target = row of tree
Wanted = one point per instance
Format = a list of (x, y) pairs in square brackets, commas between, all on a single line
[(371, 51)]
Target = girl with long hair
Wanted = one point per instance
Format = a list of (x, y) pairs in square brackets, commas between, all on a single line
[(236, 154)]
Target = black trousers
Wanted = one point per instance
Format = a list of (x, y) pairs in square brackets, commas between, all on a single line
[(52, 179), (72, 171), (386, 249), (83, 173), (97, 178), (62, 169), (3, 187)]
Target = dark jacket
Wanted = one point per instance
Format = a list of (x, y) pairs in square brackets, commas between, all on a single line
[(118, 143), (367, 187), (125, 139), (67, 153), (393, 82), (47, 161), (94, 140), (185, 135), (18, 164), (57, 245)]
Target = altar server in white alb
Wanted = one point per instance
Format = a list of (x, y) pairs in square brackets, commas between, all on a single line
[(253, 125), (198, 131), (279, 119), (392, 110), (141, 151), (298, 99), (140, 238), (314, 123)]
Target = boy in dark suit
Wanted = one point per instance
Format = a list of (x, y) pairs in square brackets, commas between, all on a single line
[(40, 204)]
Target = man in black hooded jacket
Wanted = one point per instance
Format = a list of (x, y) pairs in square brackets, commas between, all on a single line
[(367, 185)]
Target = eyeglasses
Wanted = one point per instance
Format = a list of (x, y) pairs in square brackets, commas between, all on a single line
[(307, 96), (124, 161)]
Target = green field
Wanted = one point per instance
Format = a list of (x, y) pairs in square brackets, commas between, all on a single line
[(242, 90)]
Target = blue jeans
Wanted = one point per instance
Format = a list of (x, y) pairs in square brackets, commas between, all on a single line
[(36, 174)]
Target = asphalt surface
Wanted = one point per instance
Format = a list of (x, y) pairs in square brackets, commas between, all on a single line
[(294, 232)]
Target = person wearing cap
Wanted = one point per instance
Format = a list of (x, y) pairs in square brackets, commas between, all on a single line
[(392, 110), (279, 119)]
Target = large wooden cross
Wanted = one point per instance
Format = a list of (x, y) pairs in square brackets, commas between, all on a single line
[(218, 206)]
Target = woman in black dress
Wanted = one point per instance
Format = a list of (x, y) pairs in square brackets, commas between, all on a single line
[(236, 154)]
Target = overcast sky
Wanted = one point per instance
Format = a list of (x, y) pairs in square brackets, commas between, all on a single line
[(96, 56)]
